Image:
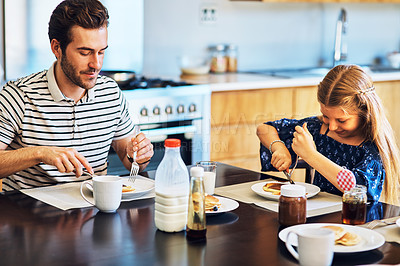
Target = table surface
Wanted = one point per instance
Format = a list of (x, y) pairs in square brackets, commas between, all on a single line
[(34, 233)]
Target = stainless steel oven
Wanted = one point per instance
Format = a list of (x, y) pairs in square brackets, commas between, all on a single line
[(181, 112)]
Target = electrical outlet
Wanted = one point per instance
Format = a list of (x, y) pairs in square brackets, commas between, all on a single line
[(208, 15)]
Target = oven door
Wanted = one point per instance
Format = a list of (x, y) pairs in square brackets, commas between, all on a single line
[(188, 131)]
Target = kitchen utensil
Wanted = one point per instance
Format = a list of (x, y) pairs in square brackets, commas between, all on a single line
[(134, 166), (121, 77), (88, 173), (389, 221), (289, 174)]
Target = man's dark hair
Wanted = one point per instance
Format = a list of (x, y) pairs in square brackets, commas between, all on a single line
[(88, 14)]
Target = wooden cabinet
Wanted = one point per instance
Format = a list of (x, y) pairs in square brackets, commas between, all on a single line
[(389, 92), (321, 1), (235, 116)]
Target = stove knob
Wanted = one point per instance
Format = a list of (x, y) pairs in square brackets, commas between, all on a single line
[(192, 108), (156, 110), (180, 109), (168, 109), (143, 111)]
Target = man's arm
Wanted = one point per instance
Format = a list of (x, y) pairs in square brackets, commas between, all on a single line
[(65, 159)]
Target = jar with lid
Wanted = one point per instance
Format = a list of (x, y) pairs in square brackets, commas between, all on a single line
[(292, 205), (172, 189), (218, 60), (354, 206), (196, 222), (231, 58)]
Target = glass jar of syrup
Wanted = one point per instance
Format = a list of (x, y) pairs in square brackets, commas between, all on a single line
[(354, 207), (292, 205)]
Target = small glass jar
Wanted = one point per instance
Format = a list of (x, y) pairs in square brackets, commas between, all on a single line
[(292, 205), (231, 58), (218, 61), (354, 207)]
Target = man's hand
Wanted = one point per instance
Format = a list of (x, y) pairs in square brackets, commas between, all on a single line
[(143, 146), (66, 160)]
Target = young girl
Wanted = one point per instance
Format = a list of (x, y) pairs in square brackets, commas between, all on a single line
[(351, 143)]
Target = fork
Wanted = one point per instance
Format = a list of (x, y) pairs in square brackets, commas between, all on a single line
[(134, 169), (375, 223), (289, 174), (134, 166)]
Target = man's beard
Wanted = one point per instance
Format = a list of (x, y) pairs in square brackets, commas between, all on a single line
[(69, 71)]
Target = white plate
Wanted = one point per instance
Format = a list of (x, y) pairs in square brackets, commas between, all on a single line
[(142, 185), (369, 239), (398, 222), (227, 205), (311, 189)]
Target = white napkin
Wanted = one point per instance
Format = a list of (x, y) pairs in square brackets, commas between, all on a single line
[(67, 196)]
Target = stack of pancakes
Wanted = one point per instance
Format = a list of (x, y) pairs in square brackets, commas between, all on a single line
[(211, 202), (274, 188), (343, 237)]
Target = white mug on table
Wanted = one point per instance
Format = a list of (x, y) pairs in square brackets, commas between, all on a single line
[(107, 192), (210, 172), (315, 246)]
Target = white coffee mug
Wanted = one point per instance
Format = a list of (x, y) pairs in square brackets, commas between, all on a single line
[(107, 192), (210, 173), (315, 246)]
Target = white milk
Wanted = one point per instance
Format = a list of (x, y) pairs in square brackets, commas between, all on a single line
[(209, 182), (171, 212)]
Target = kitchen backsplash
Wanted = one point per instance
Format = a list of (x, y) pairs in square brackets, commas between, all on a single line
[(268, 35)]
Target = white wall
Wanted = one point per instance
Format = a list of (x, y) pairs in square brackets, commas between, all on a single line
[(268, 35)]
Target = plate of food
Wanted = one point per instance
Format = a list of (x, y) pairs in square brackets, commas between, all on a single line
[(130, 190), (216, 204), (348, 238), (272, 189)]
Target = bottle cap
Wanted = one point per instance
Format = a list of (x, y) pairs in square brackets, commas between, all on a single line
[(197, 171), (172, 143), (293, 191)]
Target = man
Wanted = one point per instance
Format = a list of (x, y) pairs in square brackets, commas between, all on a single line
[(56, 122)]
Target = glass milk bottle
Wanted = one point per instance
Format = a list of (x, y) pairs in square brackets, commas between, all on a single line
[(172, 189), (196, 223)]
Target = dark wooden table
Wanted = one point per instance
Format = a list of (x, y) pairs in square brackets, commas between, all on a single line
[(34, 233)]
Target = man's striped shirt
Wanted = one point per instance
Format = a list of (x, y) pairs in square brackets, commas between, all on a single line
[(34, 112)]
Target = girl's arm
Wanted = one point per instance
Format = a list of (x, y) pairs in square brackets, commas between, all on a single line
[(280, 158), (304, 146)]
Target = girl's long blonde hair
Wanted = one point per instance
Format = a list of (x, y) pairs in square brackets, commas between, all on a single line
[(349, 87)]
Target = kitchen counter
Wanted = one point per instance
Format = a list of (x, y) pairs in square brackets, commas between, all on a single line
[(246, 81)]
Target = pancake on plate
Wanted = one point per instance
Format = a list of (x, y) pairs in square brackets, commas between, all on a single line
[(344, 237), (126, 188), (349, 239), (274, 188), (212, 203)]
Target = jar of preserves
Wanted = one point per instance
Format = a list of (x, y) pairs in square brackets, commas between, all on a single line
[(354, 207), (218, 60), (231, 58), (292, 205)]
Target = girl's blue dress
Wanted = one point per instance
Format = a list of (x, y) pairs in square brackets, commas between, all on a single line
[(363, 160)]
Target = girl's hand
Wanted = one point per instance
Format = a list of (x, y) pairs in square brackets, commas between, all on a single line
[(303, 143), (281, 158)]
